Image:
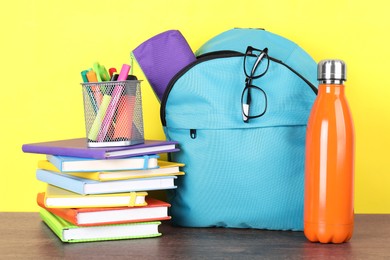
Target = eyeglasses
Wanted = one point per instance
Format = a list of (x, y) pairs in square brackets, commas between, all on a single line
[(252, 93)]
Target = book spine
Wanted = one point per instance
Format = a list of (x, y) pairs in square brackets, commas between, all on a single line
[(60, 181), (69, 215), (52, 223), (55, 161)]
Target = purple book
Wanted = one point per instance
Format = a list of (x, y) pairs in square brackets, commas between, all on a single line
[(78, 147)]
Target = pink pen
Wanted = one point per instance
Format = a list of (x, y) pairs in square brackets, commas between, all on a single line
[(115, 96)]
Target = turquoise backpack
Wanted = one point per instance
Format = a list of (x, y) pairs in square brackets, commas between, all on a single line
[(239, 113)]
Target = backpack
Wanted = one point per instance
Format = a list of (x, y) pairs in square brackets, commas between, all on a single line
[(244, 159)]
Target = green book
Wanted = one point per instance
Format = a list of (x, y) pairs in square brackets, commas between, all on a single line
[(68, 232)]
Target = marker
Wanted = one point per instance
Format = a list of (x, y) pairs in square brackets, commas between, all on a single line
[(124, 72), (114, 77), (93, 132), (105, 101), (91, 76), (101, 75), (125, 114), (116, 94), (124, 120), (111, 71), (89, 91), (112, 127), (101, 72), (84, 76)]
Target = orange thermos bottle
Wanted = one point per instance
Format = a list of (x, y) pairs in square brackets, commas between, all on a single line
[(329, 162)]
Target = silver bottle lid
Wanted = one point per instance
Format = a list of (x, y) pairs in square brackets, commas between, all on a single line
[(332, 70)]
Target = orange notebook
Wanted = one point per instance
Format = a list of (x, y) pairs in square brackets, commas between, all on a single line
[(155, 210)]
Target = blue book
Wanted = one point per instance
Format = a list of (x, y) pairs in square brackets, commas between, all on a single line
[(87, 186), (78, 164)]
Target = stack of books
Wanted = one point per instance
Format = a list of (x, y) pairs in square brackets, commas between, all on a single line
[(96, 194)]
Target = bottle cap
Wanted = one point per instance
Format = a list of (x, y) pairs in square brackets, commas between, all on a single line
[(332, 70)]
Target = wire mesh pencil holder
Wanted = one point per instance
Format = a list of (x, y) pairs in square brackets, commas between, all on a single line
[(113, 113)]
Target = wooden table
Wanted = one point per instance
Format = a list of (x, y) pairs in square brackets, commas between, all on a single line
[(25, 236)]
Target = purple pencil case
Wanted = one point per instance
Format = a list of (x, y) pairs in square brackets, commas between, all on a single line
[(161, 57)]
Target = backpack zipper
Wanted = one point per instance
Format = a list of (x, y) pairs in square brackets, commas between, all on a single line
[(193, 133), (199, 59), (211, 56)]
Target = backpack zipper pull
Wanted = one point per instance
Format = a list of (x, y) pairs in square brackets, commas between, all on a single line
[(193, 133)]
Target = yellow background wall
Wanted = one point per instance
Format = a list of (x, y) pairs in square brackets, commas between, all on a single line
[(45, 45)]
